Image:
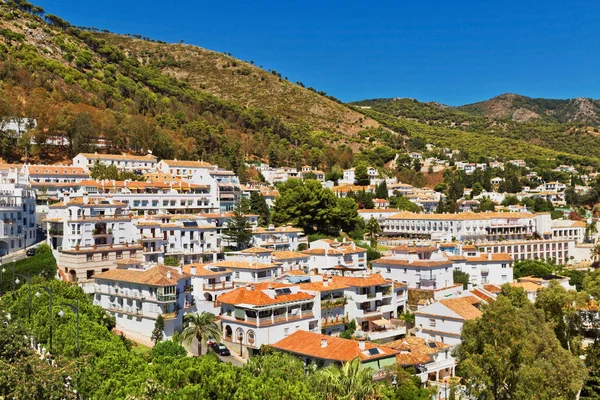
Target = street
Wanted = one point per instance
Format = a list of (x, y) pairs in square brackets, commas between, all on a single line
[(234, 360)]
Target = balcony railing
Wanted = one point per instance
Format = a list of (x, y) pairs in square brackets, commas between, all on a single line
[(166, 297), (217, 286)]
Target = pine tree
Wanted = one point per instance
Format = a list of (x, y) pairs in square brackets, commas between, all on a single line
[(159, 327), (237, 232)]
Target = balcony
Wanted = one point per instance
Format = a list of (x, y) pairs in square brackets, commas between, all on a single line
[(171, 315), (331, 303), (128, 294), (164, 298), (333, 321), (218, 286), (427, 284), (126, 310)]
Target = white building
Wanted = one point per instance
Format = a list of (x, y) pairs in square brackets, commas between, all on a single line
[(136, 296), (278, 238), (250, 266), (209, 282), (443, 320), (291, 260), (123, 162), (17, 211), (483, 268), (50, 180), (329, 255), (263, 314), (89, 236)]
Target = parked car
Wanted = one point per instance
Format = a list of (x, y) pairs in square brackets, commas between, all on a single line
[(30, 252), (220, 349)]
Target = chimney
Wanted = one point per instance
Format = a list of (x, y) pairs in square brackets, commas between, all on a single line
[(249, 287), (323, 343), (179, 270), (325, 283), (361, 344), (214, 257), (489, 254), (193, 270), (168, 274)]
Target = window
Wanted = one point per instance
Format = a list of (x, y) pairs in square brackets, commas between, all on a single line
[(388, 270), (286, 331), (89, 257), (237, 274), (503, 265), (432, 322), (504, 277), (104, 256), (119, 255), (132, 253)]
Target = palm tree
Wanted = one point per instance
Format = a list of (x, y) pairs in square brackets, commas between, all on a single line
[(596, 253), (202, 327), (348, 382), (590, 230)]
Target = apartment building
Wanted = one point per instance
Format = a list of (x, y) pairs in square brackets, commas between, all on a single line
[(442, 321), (136, 296), (250, 266), (155, 197), (331, 298), (123, 162), (374, 303), (189, 238), (418, 266), (263, 314), (467, 226), (483, 267), (278, 238), (89, 236), (544, 249), (568, 230), (50, 180), (17, 210)]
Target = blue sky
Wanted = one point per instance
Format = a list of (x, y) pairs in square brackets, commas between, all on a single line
[(454, 52)]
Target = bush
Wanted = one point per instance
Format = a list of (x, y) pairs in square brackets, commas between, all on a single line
[(167, 348)]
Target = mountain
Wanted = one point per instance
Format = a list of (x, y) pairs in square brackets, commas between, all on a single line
[(522, 109), (178, 101)]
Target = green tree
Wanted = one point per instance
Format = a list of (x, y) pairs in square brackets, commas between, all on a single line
[(237, 231), (381, 191), (373, 228), (561, 308), (258, 205), (361, 175), (531, 268), (402, 203), (203, 327), (335, 174), (159, 328), (167, 348), (345, 215), (171, 261), (350, 381), (486, 204), (477, 189), (510, 352), (461, 277), (510, 200)]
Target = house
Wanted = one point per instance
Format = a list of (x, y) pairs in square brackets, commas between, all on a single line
[(328, 255), (278, 238), (332, 299), (326, 350), (554, 186), (123, 162), (531, 284), (250, 266), (419, 267), (50, 180), (381, 203), (483, 268), (208, 282), (468, 205), (136, 296), (263, 314), (433, 361), (518, 163), (443, 320), (374, 303), (291, 260)]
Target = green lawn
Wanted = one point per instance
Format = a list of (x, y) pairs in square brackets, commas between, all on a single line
[(140, 349)]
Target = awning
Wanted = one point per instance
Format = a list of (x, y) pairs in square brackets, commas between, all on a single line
[(382, 322)]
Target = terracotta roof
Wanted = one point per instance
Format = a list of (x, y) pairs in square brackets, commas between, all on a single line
[(337, 349), (322, 287), (155, 276), (453, 257), (417, 248), (278, 229), (204, 270), (467, 215), (494, 257), (482, 295), (492, 288), (255, 296), (360, 281), (188, 164), (414, 350), (107, 184), (340, 250), (528, 286), (55, 170), (256, 249), (127, 261), (415, 263), (97, 156), (463, 307), (245, 265), (286, 255)]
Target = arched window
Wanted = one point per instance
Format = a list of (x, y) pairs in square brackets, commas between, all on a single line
[(228, 331), (239, 335), (250, 337)]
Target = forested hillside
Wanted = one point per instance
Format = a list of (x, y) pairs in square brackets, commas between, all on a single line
[(480, 135), (79, 85)]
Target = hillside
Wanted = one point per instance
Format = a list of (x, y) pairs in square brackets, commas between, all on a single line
[(229, 78), (83, 86), (522, 109), (469, 130)]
